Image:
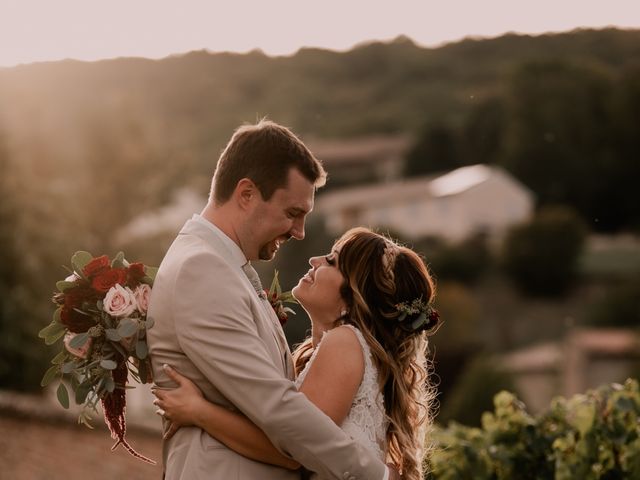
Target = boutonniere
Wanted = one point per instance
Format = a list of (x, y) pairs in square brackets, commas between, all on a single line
[(277, 298)]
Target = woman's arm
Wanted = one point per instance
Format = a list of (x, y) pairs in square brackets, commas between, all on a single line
[(331, 384), (335, 374), (185, 405)]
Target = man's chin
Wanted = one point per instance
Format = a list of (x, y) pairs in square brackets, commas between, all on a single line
[(266, 254)]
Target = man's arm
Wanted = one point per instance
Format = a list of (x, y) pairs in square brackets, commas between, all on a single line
[(217, 331), (186, 406)]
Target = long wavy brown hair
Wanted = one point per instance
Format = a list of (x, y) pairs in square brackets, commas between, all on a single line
[(379, 274)]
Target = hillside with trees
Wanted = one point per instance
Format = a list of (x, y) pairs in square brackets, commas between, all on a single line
[(85, 147)]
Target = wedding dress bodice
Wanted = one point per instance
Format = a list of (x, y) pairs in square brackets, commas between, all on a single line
[(366, 422)]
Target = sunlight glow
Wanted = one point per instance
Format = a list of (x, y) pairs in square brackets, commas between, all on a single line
[(32, 30)]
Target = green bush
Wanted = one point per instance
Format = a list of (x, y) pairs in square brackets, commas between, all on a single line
[(541, 256), (473, 392), (591, 436)]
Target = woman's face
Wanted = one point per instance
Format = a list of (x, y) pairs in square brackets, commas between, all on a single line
[(319, 290)]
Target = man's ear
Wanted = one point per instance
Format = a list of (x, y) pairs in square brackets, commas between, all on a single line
[(245, 193)]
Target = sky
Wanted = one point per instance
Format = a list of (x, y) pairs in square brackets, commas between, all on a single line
[(45, 30)]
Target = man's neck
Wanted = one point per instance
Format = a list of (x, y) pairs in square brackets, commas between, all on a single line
[(221, 217)]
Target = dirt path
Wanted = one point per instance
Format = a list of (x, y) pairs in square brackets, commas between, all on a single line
[(35, 450)]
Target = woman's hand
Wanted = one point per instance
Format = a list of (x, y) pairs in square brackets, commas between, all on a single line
[(180, 405)]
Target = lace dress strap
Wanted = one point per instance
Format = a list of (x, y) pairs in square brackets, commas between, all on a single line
[(366, 351)]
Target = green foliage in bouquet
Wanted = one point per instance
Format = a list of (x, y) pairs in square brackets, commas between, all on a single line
[(101, 318), (591, 436)]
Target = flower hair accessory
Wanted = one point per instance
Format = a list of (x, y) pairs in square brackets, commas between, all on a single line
[(427, 316)]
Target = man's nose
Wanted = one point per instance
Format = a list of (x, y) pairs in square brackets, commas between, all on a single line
[(297, 230)]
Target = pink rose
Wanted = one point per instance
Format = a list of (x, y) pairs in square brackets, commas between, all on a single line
[(80, 352), (119, 301), (142, 294)]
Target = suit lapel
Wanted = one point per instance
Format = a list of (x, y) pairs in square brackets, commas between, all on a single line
[(269, 317), (287, 360)]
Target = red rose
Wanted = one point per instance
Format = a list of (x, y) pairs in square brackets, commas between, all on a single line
[(74, 297), (135, 274), (75, 321), (108, 278), (96, 266)]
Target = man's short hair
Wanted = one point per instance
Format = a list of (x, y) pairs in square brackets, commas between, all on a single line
[(264, 153)]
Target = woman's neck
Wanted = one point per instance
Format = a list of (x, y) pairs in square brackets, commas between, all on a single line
[(318, 328)]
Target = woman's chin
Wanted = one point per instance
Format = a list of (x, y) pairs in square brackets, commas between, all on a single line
[(295, 291), (298, 294)]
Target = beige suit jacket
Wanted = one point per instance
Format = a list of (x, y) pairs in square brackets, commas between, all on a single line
[(211, 326)]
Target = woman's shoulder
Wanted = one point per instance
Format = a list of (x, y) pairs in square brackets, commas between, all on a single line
[(344, 332), (342, 343), (351, 334)]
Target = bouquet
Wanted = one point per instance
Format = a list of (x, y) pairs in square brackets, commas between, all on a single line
[(277, 298), (102, 321)]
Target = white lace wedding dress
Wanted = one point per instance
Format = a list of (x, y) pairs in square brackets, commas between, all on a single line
[(366, 422)]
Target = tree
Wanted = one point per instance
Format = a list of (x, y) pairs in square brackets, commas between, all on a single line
[(473, 392), (558, 135), (483, 132), (466, 261), (619, 308), (19, 356), (434, 151), (623, 168), (541, 256)]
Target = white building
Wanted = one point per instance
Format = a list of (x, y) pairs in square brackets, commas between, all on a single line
[(454, 205)]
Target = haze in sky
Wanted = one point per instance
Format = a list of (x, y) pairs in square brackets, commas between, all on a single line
[(43, 30)]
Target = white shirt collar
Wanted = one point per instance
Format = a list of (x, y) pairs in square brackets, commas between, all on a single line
[(237, 255)]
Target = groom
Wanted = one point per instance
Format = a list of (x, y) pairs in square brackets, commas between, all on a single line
[(212, 324)]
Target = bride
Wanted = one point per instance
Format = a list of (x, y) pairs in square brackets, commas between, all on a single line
[(364, 365)]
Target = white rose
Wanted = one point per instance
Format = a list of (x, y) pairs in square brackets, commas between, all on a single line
[(119, 301), (80, 352), (142, 294)]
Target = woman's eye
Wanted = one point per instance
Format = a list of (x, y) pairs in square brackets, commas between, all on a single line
[(331, 260)]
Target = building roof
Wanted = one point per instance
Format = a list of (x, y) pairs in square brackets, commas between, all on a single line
[(593, 341), (359, 150), (459, 180), (454, 182)]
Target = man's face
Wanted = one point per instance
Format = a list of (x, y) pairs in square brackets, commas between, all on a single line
[(273, 222)]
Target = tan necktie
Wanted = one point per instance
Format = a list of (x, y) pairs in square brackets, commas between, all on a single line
[(253, 277)]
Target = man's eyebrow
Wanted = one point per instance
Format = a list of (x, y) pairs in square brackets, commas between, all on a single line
[(298, 210)]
